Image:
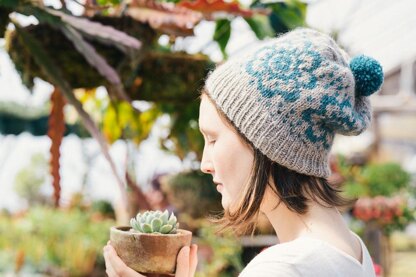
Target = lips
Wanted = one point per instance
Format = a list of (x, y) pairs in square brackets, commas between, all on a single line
[(219, 186)]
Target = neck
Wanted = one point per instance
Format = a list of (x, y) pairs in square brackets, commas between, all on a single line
[(318, 222)]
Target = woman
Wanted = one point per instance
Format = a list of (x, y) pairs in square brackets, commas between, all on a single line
[(269, 119)]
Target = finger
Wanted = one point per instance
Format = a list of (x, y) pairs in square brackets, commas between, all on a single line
[(193, 260), (118, 266), (108, 268), (182, 262)]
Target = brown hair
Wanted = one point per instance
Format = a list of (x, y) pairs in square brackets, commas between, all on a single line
[(294, 189)]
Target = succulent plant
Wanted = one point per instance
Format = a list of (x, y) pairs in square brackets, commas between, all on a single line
[(156, 222)]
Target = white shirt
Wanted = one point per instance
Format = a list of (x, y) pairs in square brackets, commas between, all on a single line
[(309, 257)]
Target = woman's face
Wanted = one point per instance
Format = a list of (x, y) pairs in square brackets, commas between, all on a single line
[(226, 157)]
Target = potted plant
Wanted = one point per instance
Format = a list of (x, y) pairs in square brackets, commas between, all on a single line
[(151, 243)]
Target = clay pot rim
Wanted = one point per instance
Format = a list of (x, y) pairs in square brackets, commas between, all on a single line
[(119, 229)]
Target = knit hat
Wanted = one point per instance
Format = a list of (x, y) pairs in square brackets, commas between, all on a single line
[(291, 95)]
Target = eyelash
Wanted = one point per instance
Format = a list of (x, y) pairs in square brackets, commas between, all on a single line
[(212, 141)]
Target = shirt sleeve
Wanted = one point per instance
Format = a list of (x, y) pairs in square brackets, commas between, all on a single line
[(270, 269)]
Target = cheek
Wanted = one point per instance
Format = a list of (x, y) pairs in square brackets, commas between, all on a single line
[(233, 164)]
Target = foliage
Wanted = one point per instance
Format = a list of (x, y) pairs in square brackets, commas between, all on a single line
[(85, 33), (193, 193), (76, 30), (284, 16), (387, 179), (53, 238), (184, 130), (155, 222), (29, 180), (222, 34), (389, 213), (287, 15), (382, 190), (260, 25), (108, 2), (54, 74), (223, 253), (122, 121), (103, 207)]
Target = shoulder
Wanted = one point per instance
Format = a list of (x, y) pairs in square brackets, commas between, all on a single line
[(283, 259), (290, 252), (270, 269)]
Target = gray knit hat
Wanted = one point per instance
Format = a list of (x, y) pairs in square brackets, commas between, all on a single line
[(291, 95)]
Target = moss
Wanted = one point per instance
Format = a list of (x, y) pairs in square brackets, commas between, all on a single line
[(75, 68), (171, 77), (160, 76)]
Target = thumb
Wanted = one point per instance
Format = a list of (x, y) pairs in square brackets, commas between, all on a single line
[(193, 260), (182, 262)]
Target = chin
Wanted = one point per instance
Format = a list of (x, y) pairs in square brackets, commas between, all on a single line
[(225, 203), (227, 206)]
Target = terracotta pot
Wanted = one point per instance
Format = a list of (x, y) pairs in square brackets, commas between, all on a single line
[(149, 253)]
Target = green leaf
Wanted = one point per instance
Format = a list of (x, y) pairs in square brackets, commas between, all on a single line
[(138, 227), (149, 218), (166, 229), (156, 224), (172, 220), (138, 216), (146, 228), (108, 2), (385, 179), (355, 190), (222, 34), (122, 121), (184, 130), (135, 225), (164, 217), (287, 15), (260, 24), (110, 126)]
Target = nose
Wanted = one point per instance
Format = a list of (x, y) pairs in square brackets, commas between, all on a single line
[(206, 164)]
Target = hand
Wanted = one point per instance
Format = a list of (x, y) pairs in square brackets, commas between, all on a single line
[(185, 263)]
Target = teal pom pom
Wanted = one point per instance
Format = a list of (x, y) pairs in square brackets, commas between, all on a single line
[(368, 75)]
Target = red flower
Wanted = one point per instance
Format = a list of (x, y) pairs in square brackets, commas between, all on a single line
[(378, 269)]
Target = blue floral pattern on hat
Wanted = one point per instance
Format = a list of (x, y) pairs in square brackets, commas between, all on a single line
[(286, 71)]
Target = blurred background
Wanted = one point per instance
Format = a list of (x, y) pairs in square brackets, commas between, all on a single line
[(99, 120)]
